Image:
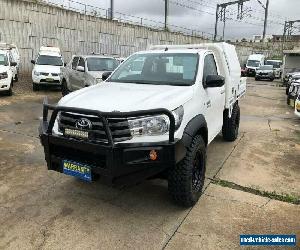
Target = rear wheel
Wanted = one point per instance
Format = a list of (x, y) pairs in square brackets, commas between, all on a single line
[(230, 129), (186, 179)]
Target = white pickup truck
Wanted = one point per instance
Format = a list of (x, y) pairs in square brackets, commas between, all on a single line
[(156, 120), (8, 72)]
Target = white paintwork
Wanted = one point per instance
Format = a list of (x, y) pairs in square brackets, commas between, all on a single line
[(256, 57), (5, 83), (195, 99), (51, 69)]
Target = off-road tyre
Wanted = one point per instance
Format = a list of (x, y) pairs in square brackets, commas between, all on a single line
[(230, 129), (186, 179), (64, 88), (256, 79)]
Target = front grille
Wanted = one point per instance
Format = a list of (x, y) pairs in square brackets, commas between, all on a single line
[(119, 127), (44, 74)]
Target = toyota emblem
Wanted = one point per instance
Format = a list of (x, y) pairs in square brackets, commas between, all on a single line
[(83, 123)]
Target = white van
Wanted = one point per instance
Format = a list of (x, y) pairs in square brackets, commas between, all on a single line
[(253, 63), (46, 70)]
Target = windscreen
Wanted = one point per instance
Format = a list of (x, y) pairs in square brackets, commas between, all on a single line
[(266, 67), (253, 63), (275, 64), (158, 68), (101, 64), (3, 60), (49, 60)]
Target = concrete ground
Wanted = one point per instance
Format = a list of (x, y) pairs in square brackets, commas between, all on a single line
[(244, 182)]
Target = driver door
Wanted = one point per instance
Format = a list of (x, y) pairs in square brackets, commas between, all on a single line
[(215, 99)]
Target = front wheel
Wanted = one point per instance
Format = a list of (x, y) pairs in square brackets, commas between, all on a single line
[(35, 87), (230, 129), (64, 88), (10, 91), (186, 179)]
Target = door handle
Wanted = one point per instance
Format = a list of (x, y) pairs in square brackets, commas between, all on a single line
[(208, 104), (222, 92)]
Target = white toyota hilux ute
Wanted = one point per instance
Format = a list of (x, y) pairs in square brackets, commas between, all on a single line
[(154, 121)]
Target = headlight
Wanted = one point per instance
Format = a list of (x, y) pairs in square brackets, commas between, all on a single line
[(36, 73), (155, 125), (3, 75)]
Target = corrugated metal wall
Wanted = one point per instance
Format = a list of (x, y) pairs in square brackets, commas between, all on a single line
[(31, 25)]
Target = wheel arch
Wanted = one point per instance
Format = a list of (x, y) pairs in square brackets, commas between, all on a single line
[(197, 126)]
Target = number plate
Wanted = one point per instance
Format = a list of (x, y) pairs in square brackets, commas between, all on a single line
[(78, 170), (49, 80)]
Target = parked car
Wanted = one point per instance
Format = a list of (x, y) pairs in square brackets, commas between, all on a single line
[(277, 65), (297, 106), (156, 121), (293, 93), (7, 72), (265, 72), (253, 63), (47, 68), (14, 57), (288, 76), (294, 78), (291, 62), (84, 71)]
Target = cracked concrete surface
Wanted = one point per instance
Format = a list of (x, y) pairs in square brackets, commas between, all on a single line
[(47, 210)]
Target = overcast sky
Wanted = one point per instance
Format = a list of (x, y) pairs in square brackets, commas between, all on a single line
[(201, 14)]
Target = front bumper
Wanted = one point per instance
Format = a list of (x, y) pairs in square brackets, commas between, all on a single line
[(46, 80), (5, 84), (268, 76), (115, 163)]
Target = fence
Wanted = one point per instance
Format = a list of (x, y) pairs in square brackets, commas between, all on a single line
[(121, 17)]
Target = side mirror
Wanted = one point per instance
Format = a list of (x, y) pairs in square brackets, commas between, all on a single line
[(33, 61), (13, 64), (214, 81), (105, 75), (80, 69), (65, 64)]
